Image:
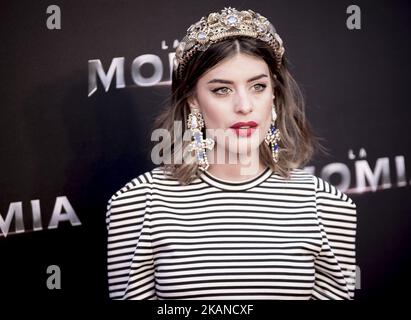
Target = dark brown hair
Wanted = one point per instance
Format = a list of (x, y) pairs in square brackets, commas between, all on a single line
[(297, 142)]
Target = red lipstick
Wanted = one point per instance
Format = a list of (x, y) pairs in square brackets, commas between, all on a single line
[(244, 129)]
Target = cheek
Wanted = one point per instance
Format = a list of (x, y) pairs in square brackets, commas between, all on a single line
[(214, 116), (211, 117)]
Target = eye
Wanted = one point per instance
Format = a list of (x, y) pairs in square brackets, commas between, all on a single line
[(260, 86), (221, 91)]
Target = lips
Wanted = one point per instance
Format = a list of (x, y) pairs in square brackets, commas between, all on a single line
[(244, 129), (244, 125)]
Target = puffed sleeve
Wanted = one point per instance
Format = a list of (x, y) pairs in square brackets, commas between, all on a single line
[(130, 263), (335, 263)]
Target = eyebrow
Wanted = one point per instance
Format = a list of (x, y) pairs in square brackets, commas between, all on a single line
[(231, 82)]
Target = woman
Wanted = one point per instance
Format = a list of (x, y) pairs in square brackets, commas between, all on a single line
[(235, 217)]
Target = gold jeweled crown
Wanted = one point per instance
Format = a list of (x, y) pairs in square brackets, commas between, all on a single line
[(225, 24)]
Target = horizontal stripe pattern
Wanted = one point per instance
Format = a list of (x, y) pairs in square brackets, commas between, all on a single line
[(265, 238)]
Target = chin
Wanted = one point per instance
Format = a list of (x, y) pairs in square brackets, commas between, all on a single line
[(245, 145)]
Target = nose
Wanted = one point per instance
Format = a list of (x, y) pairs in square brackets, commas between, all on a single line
[(243, 103)]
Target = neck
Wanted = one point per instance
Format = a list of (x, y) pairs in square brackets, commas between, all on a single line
[(245, 167)]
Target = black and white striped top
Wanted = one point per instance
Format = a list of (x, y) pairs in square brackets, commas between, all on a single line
[(265, 238)]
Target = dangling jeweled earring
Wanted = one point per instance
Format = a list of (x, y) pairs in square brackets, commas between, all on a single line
[(195, 123), (273, 136)]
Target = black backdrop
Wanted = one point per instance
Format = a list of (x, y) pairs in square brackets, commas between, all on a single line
[(66, 149)]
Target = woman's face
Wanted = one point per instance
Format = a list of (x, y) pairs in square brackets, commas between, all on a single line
[(238, 89)]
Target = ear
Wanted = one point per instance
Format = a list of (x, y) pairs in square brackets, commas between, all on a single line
[(273, 80), (193, 102)]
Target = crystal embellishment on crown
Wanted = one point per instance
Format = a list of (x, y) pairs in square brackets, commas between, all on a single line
[(218, 26)]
